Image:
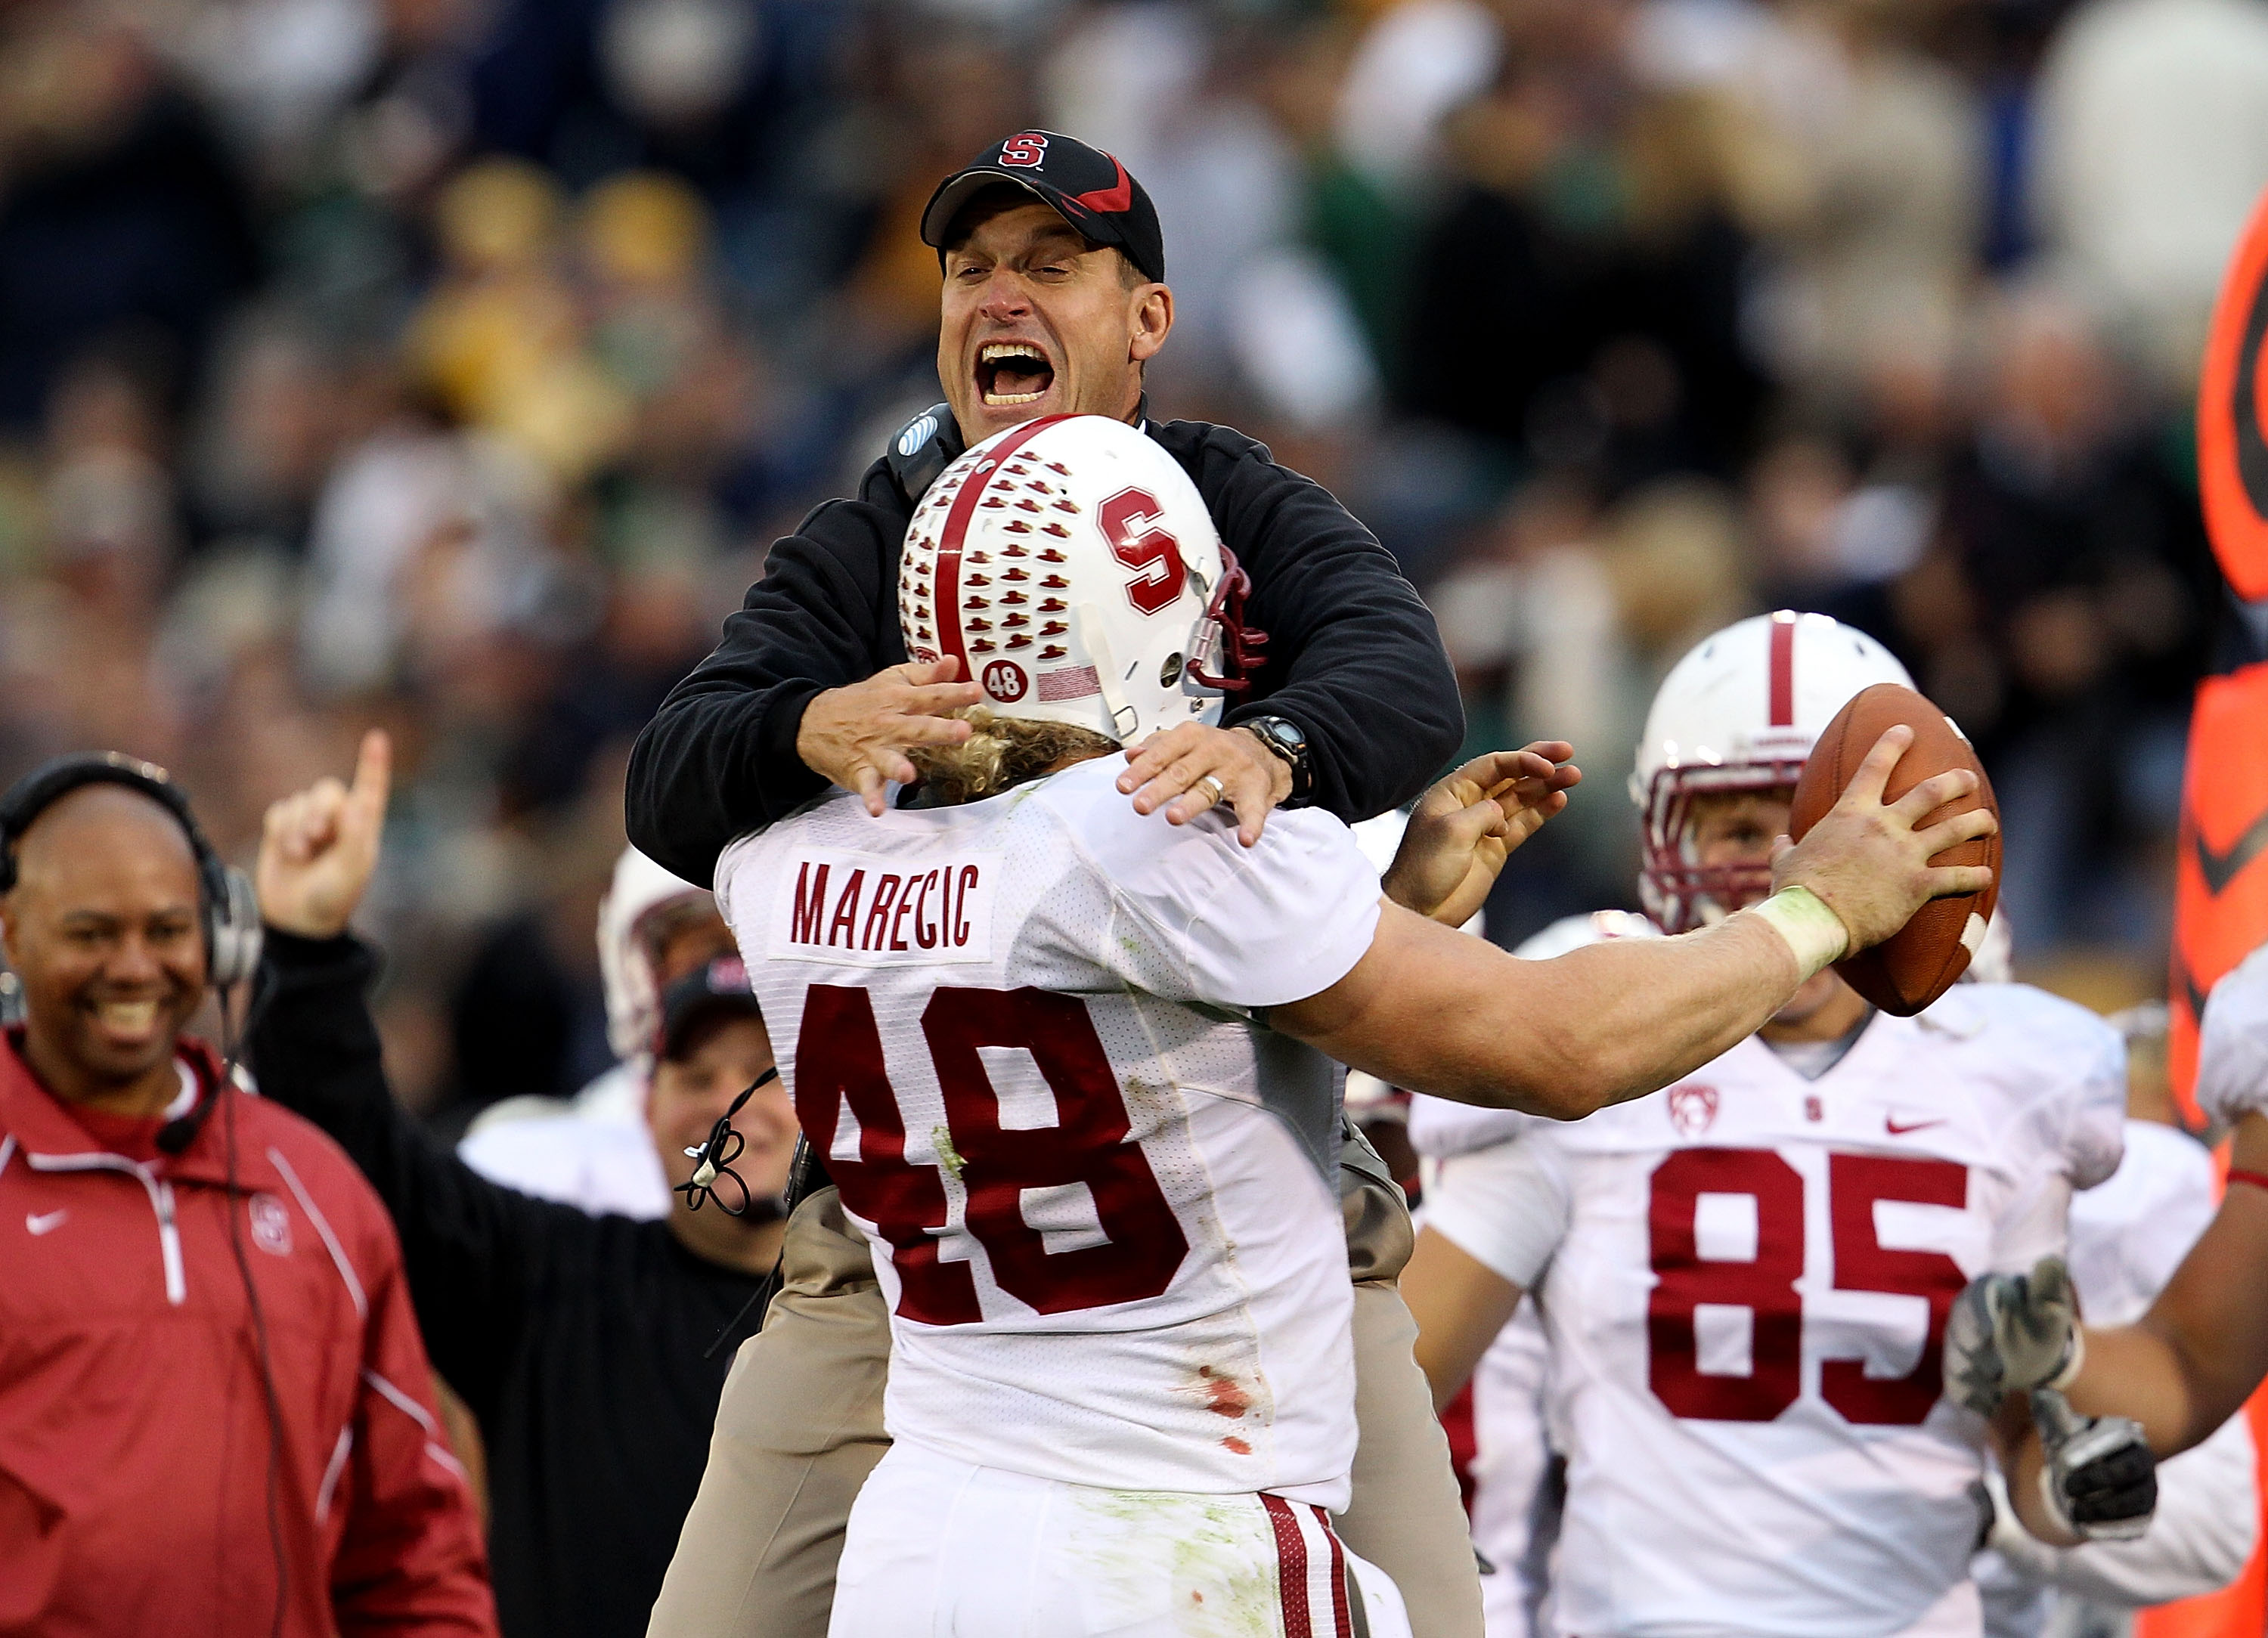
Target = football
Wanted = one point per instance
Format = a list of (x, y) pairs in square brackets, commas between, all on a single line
[(1921, 961)]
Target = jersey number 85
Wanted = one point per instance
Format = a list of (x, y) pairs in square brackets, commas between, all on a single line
[(1767, 1285)]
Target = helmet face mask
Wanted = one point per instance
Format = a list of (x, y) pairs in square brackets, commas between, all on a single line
[(639, 902), (1738, 715), (1679, 892), (1070, 566)]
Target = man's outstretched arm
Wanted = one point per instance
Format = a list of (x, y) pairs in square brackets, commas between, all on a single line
[(2188, 1365), (1432, 1010)]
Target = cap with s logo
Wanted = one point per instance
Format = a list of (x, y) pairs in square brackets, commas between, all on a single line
[(1084, 185)]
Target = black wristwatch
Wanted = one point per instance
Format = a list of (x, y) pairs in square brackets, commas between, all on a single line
[(1287, 739)]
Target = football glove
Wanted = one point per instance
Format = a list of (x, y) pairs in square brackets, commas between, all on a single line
[(2011, 1333), (2231, 1072), (2100, 1481)]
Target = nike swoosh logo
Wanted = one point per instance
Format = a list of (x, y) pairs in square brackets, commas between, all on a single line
[(2220, 869), (39, 1223), (1899, 1128)]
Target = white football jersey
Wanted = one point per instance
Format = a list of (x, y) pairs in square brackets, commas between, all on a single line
[(1103, 1202), (1744, 1279)]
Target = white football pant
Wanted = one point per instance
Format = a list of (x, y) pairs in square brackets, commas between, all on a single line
[(938, 1548)]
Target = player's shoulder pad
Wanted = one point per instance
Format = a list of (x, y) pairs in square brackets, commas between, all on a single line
[(1147, 858), (2049, 1030), (920, 450), (1573, 932), (1242, 927), (2031, 1040), (2051, 1063)]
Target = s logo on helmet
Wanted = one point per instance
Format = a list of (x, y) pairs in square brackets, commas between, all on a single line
[(1005, 681), (1028, 148), (1130, 522)]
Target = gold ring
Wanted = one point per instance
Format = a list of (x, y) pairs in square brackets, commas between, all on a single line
[(1219, 791)]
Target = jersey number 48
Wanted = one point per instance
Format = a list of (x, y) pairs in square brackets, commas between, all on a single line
[(1766, 1286), (1000, 1167)]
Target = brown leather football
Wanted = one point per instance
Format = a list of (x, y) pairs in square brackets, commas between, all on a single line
[(1919, 962)]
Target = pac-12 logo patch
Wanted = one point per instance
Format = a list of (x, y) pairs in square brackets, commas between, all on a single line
[(271, 1224), (1025, 148), (1005, 681), (1692, 1109)]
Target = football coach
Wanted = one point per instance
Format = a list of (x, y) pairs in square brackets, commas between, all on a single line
[(1054, 300), (215, 1413)]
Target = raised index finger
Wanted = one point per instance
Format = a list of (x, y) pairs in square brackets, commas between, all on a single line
[(1867, 785), (373, 776)]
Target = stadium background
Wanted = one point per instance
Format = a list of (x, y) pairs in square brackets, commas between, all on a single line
[(448, 365)]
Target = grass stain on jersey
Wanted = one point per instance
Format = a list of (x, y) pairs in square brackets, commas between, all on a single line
[(1214, 1558), (948, 1157)]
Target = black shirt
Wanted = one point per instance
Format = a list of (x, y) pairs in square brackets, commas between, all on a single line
[(578, 1340), (1353, 657)]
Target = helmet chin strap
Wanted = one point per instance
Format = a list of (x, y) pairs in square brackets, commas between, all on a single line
[(1123, 718)]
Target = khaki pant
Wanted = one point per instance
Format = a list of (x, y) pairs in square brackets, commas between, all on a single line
[(800, 1427)]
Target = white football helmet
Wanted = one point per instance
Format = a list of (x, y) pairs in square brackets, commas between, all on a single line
[(633, 999), (1071, 568), (1740, 712)]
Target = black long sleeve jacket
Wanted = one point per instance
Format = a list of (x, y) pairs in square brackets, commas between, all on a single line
[(1353, 657), (577, 1341)]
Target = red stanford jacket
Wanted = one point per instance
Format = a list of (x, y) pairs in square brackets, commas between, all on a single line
[(133, 1434)]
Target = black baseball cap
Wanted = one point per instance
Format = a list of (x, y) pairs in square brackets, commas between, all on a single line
[(1087, 187), (719, 986)]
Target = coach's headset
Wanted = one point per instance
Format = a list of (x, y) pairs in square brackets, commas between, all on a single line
[(228, 910)]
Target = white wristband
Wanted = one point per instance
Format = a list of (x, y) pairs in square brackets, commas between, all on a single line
[(1813, 932)]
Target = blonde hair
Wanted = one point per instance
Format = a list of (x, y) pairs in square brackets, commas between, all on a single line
[(1002, 752)]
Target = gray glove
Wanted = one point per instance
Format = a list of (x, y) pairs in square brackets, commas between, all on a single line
[(2100, 1481), (2010, 1333)]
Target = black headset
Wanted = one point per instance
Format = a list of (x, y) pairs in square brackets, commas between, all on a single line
[(228, 910)]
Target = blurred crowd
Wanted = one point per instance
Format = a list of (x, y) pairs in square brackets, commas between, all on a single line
[(448, 365)]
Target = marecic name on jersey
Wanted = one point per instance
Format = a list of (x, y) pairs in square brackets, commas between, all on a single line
[(865, 909)]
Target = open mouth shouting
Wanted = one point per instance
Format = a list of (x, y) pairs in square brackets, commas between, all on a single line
[(1009, 373)]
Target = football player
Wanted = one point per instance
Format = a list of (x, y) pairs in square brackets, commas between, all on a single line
[(595, 1149), (2191, 1360), (1744, 1278), (1071, 1068), (2127, 1237)]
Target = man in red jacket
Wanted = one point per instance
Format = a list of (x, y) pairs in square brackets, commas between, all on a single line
[(215, 1413)]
